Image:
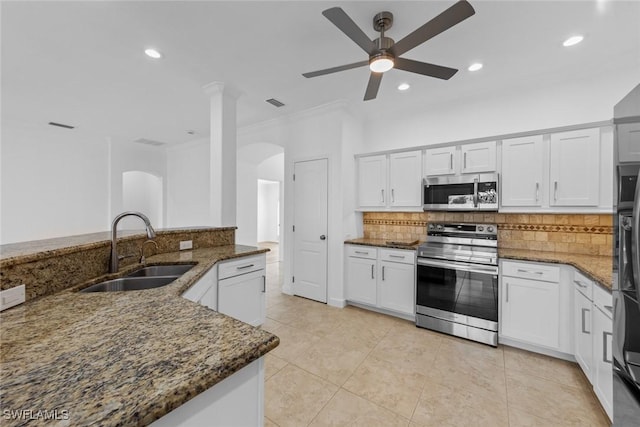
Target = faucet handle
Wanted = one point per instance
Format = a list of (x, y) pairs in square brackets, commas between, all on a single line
[(142, 258)]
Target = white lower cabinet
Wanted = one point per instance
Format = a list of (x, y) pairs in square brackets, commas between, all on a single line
[(235, 287), (583, 332), (602, 349), (381, 278)]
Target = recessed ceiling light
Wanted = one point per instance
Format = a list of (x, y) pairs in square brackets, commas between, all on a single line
[(475, 67), (152, 53), (572, 41), (403, 86)]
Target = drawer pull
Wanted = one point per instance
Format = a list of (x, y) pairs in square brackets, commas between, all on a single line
[(529, 271), (609, 308), (584, 330), (397, 256), (579, 283), (383, 272), (507, 292), (362, 252), (604, 347), (264, 284), (244, 266)]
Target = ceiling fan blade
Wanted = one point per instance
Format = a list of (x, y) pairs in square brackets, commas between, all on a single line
[(424, 68), (447, 19), (373, 86), (341, 20), (336, 69)]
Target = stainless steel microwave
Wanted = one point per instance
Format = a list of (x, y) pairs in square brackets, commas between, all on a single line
[(477, 192)]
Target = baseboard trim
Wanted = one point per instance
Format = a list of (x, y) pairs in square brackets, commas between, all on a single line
[(536, 349), (337, 302), (383, 311)]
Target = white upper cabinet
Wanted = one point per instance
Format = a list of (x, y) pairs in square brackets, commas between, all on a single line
[(628, 142), (478, 157), (574, 173), (405, 180), (440, 161), (401, 187), (372, 181), (522, 171)]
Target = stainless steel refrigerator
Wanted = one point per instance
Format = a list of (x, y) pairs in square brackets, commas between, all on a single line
[(626, 266)]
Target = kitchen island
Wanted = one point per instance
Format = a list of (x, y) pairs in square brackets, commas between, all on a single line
[(122, 358)]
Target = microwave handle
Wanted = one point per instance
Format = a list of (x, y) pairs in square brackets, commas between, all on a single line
[(475, 192)]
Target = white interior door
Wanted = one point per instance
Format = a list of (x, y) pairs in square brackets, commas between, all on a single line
[(310, 229)]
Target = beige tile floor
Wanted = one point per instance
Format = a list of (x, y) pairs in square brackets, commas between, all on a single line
[(352, 367)]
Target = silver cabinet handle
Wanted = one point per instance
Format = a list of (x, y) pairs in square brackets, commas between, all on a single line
[(383, 272), (382, 192), (604, 347), (362, 252), (372, 271), (507, 292), (529, 271), (397, 256), (537, 191), (244, 266), (264, 284), (555, 190), (464, 160), (393, 197), (579, 283), (451, 161), (584, 331)]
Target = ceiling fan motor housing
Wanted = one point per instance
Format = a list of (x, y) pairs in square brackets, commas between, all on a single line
[(383, 21)]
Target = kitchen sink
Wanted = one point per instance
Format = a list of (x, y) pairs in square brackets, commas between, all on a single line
[(130, 284), (162, 270)]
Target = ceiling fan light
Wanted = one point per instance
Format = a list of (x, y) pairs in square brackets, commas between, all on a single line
[(381, 63), (572, 41)]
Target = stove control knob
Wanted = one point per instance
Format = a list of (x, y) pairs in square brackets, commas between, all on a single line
[(431, 226), (481, 228), (440, 227), (490, 229)]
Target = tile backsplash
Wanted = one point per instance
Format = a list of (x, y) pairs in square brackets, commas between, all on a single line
[(574, 233)]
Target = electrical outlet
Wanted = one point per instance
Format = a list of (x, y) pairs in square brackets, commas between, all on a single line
[(12, 297), (186, 244)]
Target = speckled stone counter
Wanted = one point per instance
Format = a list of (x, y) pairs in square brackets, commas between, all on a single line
[(382, 243), (598, 268), (123, 358)]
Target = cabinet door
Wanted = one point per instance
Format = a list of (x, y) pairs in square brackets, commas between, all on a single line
[(522, 163), (628, 135), (396, 287), (582, 327), (479, 157), (361, 280), (602, 357), (405, 178), (210, 298), (440, 161), (372, 181), (531, 311), (574, 168), (243, 297)]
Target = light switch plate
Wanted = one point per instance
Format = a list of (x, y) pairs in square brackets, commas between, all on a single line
[(186, 244), (12, 297)]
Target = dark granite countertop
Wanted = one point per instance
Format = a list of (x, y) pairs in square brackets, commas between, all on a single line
[(123, 358)]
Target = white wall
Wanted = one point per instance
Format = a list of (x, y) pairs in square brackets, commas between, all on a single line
[(247, 203), (538, 107), (268, 210), (187, 185), (54, 182), (272, 168), (142, 192)]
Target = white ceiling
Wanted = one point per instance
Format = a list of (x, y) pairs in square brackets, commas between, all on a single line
[(82, 62)]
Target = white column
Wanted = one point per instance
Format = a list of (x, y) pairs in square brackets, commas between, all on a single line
[(223, 153)]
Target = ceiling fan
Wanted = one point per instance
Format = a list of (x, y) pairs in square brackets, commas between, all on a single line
[(384, 53)]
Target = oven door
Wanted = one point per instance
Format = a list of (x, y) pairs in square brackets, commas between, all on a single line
[(458, 292)]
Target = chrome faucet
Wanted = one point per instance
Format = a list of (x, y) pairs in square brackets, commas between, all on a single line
[(113, 266)]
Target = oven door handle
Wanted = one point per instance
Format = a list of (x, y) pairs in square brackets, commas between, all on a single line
[(458, 266)]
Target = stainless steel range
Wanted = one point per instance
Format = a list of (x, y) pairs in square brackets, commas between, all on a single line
[(457, 281)]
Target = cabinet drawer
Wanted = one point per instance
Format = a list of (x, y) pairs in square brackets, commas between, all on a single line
[(362, 251), (583, 284), (525, 270), (397, 255), (241, 265), (602, 299)]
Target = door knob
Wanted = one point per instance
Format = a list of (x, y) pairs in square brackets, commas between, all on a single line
[(323, 237)]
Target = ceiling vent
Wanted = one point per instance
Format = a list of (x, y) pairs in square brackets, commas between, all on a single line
[(149, 142), (61, 125), (275, 102)]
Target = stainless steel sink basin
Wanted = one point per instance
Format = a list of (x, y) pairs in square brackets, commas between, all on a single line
[(162, 270), (131, 284)]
